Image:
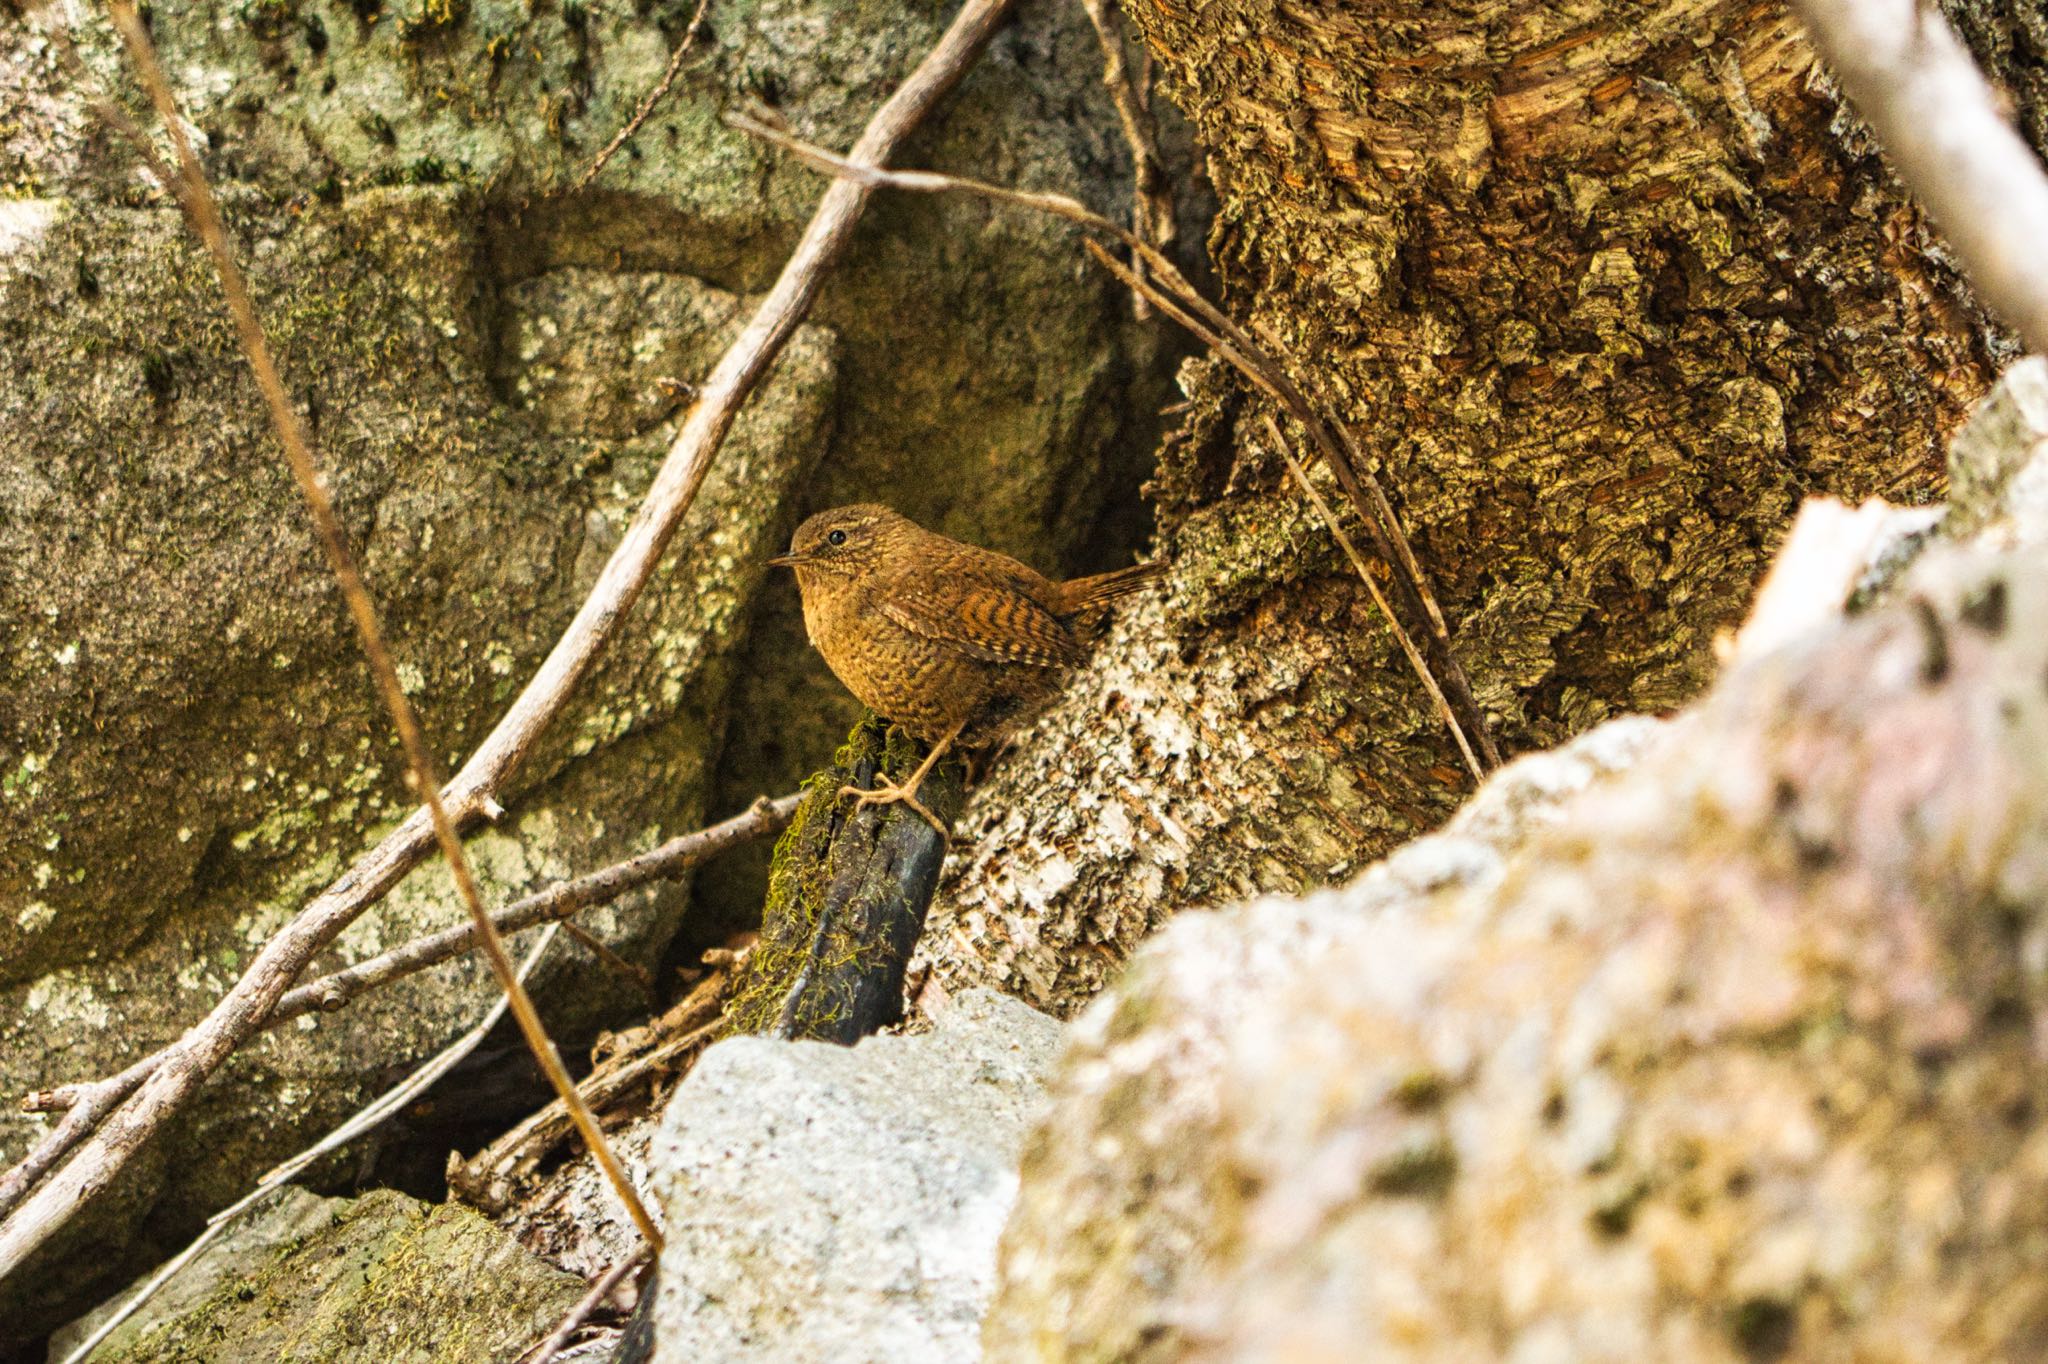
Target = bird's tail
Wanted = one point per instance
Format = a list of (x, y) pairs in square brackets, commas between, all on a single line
[(1086, 594)]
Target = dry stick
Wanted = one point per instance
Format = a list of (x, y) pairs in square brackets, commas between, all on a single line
[(208, 1043), (369, 1116), (590, 1302), (1372, 585), (1170, 291), (1915, 83), (654, 97), (1151, 198), (423, 772), (331, 992), (83, 1105)]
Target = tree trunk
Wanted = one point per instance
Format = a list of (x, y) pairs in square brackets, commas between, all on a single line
[(1605, 291)]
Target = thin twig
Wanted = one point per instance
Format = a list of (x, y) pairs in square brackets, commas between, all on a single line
[(654, 97), (606, 1285), (1151, 195), (423, 772), (208, 1043), (670, 859), (1938, 119), (371, 1115), (83, 1105), (1173, 295), (1372, 585)]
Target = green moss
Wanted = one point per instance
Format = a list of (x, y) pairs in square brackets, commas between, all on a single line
[(1424, 1170), (802, 870)]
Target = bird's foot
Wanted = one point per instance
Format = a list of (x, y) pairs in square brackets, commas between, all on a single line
[(889, 793)]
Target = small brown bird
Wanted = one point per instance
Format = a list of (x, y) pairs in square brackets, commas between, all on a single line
[(952, 642)]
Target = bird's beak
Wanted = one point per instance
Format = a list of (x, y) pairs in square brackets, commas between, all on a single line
[(785, 561)]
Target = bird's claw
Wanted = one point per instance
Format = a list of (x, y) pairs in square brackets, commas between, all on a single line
[(889, 793)]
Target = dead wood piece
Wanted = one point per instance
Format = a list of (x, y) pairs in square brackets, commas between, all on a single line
[(846, 899), (667, 1046)]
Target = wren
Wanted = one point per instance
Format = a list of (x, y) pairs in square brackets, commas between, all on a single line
[(951, 642)]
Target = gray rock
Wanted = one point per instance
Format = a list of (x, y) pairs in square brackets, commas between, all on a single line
[(312, 1280), (1998, 480), (842, 1204), (191, 752)]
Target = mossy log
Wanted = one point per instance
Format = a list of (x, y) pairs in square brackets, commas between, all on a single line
[(847, 896)]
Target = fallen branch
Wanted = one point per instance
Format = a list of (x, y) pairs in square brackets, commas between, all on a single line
[(471, 792), (423, 770), (1170, 291), (487, 1179), (1915, 83), (84, 1104), (606, 1285)]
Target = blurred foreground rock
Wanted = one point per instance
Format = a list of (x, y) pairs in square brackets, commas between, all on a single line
[(1735, 1054), (834, 1205), (311, 1280)]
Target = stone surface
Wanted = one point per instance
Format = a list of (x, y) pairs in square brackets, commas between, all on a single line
[(491, 362), (194, 750), (840, 1204), (291, 1215), (383, 1277)]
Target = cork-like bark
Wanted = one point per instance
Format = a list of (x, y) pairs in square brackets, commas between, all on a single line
[(1605, 289)]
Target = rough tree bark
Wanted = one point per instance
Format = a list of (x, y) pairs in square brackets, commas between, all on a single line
[(1605, 290)]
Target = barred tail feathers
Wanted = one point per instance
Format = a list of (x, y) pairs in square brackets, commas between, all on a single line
[(1087, 594)]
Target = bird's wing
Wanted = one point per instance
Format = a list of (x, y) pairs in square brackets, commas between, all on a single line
[(983, 618)]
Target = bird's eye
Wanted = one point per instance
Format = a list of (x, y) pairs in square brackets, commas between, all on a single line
[(837, 537)]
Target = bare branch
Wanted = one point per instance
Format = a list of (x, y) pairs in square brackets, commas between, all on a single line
[(369, 1116), (472, 791), (423, 772), (606, 1285), (1151, 196), (1914, 82)]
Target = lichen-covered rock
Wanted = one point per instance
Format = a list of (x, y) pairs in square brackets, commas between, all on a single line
[(1998, 464), (833, 1205), (1731, 1056), (192, 748), (310, 1280)]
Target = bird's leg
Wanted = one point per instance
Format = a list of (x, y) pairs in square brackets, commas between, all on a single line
[(887, 792)]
